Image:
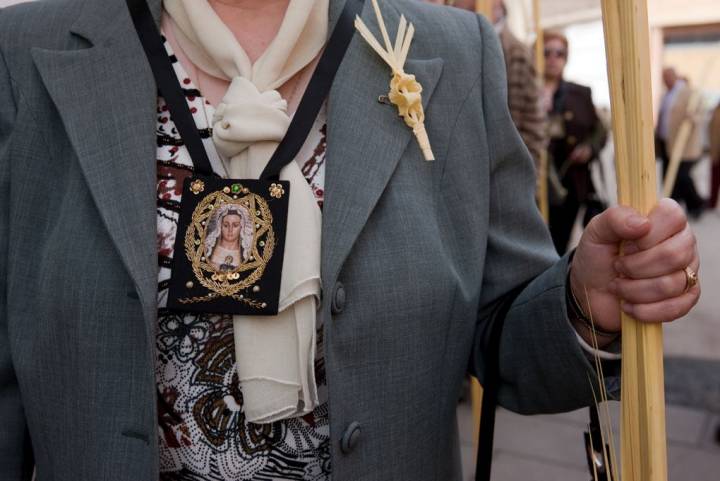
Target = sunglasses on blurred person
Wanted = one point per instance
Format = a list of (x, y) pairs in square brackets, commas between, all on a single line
[(555, 52)]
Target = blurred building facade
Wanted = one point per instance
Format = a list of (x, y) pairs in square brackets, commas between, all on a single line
[(688, 37)]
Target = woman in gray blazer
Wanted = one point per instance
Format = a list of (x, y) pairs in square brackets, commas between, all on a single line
[(417, 257)]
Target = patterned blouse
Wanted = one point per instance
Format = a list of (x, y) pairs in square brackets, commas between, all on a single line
[(203, 433)]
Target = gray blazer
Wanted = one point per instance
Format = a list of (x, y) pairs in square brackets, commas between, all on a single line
[(415, 254)]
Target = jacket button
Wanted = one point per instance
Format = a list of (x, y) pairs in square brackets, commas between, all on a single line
[(351, 437), (338, 299)]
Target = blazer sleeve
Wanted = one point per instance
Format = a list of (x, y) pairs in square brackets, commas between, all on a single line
[(542, 366), (15, 454)]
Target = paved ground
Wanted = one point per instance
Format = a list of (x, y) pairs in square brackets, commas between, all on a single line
[(550, 448)]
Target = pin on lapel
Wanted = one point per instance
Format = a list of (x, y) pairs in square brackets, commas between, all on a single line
[(405, 91)]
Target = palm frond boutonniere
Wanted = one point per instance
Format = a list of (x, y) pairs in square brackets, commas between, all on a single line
[(405, 91)]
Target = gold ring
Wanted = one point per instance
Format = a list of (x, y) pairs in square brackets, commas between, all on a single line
[(691, 278)]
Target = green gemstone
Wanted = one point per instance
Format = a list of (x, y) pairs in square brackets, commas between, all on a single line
[(236, 188)]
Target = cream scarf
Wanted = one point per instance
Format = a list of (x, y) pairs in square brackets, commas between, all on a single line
[(275, 355)]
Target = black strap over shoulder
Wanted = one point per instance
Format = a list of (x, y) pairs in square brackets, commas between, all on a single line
[(168, 84), (317, 90), (491, 386), (315, 94)]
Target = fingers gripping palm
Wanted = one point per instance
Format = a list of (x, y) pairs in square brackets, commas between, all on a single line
[(649, 278)]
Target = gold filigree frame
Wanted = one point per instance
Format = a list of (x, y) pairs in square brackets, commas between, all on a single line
[(230, 283)]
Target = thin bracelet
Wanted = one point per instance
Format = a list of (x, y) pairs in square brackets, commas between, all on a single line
[(580, 315)]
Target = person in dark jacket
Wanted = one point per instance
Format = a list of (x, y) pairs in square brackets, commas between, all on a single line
[(576, 137)]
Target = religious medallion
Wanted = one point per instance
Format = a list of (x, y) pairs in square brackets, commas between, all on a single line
[(229, 246)]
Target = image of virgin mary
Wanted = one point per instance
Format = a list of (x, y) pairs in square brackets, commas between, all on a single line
[(229, 237)]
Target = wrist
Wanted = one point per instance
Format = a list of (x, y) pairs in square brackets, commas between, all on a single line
[(581, 318), (592, 338)]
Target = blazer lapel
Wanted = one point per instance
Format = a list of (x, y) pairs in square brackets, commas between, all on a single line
[(107, 98), (366, 138)]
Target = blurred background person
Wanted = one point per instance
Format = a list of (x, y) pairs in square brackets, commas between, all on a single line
[(523, 87), (674, 109), (576, 138), (714, 139)]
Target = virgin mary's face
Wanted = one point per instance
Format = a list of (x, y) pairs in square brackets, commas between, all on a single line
[(231, 228)]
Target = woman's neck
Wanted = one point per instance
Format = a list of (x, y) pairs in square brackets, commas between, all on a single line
[(255, 23)]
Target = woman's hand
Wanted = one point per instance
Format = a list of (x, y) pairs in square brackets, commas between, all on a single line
[(651, 278)]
